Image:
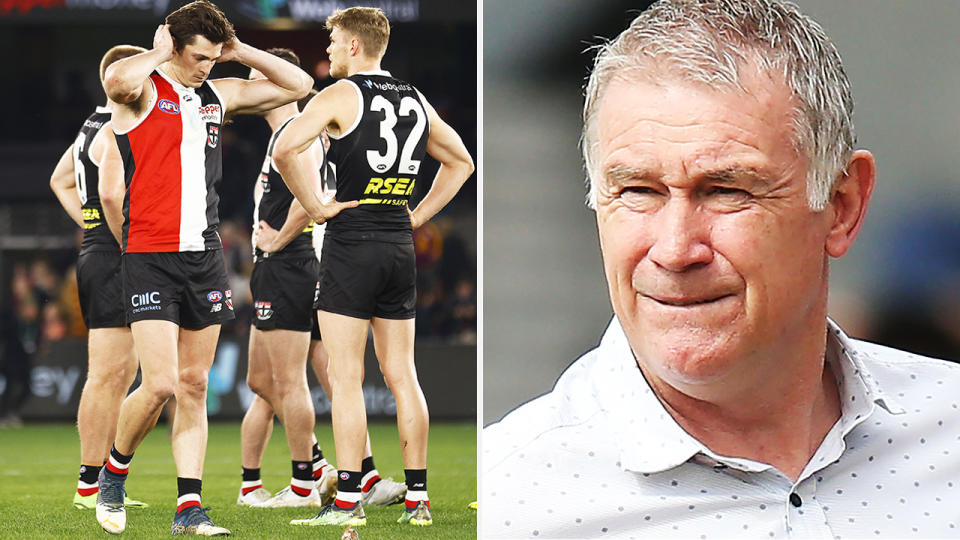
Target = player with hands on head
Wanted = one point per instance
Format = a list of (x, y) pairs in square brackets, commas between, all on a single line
[(175, 282)]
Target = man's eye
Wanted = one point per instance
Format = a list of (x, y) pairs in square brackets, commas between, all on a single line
[(637, 190), (728, 191)]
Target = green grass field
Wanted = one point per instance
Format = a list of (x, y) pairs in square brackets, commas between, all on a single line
[(39, 466)]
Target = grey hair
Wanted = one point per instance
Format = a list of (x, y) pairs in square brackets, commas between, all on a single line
[(708, 42)]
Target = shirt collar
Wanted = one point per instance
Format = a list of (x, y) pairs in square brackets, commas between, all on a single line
[(375, 72), (651, 441)]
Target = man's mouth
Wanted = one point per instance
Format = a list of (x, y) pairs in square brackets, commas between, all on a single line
[(685, 301)]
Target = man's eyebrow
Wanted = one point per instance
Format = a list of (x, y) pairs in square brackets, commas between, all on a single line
[(737, 175), (620, 174)]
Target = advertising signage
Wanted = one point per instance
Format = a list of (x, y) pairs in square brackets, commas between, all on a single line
[(254, 12)]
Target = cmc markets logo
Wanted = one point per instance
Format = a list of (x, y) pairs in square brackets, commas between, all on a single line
[(149, 301), (168, 106)]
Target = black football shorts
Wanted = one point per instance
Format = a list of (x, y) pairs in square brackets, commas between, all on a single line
[(100, 289), (189, 288), (283, 292), (367, 278)]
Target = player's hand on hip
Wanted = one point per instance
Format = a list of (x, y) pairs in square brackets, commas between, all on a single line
[(333, 208), (265, 235), (163, 41), (414, 223)]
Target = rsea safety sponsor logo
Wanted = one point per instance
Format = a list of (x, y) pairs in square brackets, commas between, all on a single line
[(401, 187), (91, 218), (167, 106)]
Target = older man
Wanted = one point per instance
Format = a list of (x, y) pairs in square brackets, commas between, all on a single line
[(721, 401)]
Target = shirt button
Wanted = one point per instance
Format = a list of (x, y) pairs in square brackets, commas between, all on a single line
[(795, 500)]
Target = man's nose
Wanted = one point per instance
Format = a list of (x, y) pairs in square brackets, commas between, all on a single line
[(681, 236)]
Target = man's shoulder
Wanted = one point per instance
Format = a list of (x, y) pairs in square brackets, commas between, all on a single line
[(883, 360), (916, 382), (568, 407)]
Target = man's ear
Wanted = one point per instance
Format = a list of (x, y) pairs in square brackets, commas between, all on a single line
[(849, 202)]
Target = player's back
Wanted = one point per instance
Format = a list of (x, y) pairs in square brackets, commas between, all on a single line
[(96, 235), (378, 158)]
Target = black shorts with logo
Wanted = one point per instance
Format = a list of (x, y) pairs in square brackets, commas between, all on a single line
[(367, 278), (100, 289), (283, 290), (188, 288)]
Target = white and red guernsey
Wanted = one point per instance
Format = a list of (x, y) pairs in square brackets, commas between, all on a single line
[(172, 164)]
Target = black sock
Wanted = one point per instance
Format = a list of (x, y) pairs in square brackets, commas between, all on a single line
[(366, 465), (118, 463), (302, 481), (188, 493), (250, 475), (89, 473), (369, 475), (348, 489), (416, 479), (317, 452)]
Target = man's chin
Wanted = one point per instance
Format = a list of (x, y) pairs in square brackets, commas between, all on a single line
[(685, 353)]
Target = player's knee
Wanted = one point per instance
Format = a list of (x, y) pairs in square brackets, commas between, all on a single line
[(159, 390), (261, 386), (398, 378), (192, 383), (344, 379)]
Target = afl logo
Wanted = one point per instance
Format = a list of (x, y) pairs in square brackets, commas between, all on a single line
[(344, 476), (214, 296), (168, 106)]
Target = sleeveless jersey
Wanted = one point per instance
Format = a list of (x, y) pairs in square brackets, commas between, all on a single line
[(378, 158), (96, 235), (274, 204), (172, 164)]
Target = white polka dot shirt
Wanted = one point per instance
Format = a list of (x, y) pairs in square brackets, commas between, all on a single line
[(600, 457)]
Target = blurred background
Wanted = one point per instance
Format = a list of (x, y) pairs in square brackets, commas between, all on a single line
[(545, 297), (51, 51)]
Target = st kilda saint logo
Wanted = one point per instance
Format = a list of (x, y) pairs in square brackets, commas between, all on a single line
[(213, 136), (264, 310)]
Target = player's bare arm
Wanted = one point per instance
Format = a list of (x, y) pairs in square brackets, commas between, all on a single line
[(112, 185), (127, 81), (328, 110), (64, 186), (284, 84), (456, 166), (270, 239)]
